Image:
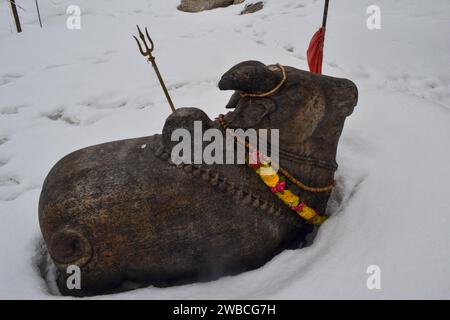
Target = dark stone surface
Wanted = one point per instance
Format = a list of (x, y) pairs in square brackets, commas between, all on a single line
[(122, 211), (253, 7), (201, 5)]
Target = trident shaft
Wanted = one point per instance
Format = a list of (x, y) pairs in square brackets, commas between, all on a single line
[(148, 54)]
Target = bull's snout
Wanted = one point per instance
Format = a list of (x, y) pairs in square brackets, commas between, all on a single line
[(226, 82)]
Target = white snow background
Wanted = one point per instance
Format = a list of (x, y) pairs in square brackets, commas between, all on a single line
[(61, 90)]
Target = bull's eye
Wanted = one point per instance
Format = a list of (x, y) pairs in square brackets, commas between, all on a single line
[(254, 113)]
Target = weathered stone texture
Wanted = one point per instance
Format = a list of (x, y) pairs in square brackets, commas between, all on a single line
[(123, 211), (201, 5)]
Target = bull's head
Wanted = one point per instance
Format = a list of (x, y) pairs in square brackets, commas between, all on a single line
[(305, 105)]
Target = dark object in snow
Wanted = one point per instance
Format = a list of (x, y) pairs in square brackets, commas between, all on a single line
[(201, 5), (253, 7), (122, 211)]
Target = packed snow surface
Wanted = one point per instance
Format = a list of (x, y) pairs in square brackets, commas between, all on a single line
[(61, 90)]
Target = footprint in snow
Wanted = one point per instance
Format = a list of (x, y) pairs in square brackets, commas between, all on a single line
[(101, 61), (3, 163), (333, 64), (292, 4), (362, 73), (3, 140), (289, 48), (56, 66), (109, 52), (259, 33), (9, 77), (59, 115), (260, 42), (13, 195), (112, 104), (6, 181), (11, 110)]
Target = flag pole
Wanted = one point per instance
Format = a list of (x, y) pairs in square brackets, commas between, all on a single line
[(325, 13), (16, 15), (39, 13)]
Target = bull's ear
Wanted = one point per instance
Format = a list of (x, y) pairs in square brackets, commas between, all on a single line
[(352, 98), (343, 95), (250, 77)]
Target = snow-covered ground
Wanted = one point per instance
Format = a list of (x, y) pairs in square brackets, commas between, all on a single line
[(61, 90)]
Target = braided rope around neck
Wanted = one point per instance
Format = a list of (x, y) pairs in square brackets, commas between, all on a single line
[(286, 173)]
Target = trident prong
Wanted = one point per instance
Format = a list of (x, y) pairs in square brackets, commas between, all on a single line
[(148, 51), (148, 54), (139, 46), (149, 39)]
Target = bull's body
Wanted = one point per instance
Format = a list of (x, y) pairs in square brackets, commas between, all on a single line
[(148, 220), (123, 211)]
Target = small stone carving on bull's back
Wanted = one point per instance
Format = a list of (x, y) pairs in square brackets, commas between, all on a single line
[(121, 211)]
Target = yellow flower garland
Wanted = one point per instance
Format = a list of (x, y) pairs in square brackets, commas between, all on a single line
[(272, 179), (278, 185)]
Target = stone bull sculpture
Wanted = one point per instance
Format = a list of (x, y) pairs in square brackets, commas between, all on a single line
[(124, 211)]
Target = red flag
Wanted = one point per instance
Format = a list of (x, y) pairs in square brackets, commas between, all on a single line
[(315, 51)]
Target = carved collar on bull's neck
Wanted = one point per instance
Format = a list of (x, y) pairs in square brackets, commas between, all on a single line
[(291, 156)]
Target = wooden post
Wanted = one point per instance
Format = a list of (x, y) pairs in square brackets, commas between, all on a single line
[(39, 13), (16, 15)]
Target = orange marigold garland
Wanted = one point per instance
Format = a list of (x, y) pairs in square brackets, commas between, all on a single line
[(277, 184)]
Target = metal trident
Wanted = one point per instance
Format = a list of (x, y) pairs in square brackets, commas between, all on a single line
[(148, 54)]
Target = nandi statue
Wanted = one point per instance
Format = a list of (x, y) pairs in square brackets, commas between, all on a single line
[(124, 211)]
